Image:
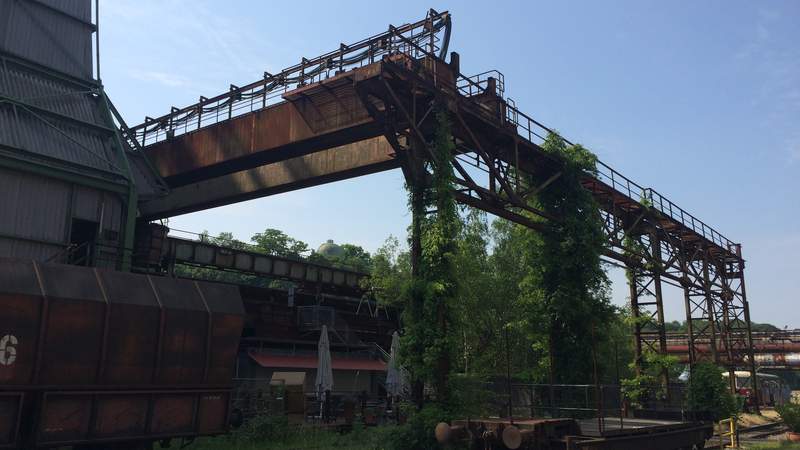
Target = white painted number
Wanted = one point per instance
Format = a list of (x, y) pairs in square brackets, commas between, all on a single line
[(8, 349)]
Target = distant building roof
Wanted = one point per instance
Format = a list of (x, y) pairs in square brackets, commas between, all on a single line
[(310, 362)]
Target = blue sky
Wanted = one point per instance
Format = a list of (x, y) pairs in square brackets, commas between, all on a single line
[(698, 100)]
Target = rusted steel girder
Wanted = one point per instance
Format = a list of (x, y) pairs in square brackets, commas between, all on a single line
[(334, 164), (309, 121)]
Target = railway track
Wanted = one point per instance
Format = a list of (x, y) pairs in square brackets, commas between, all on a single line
[(752, 435), (760, 432)]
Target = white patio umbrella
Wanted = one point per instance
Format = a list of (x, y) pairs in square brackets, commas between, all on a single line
[(324, 381), (394, 375)]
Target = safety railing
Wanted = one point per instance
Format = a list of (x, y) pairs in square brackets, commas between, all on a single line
[(535, 132), (427, 37), (477, 84), (726, 429)]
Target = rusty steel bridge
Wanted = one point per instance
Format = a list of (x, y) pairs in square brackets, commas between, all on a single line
[(367, 107)]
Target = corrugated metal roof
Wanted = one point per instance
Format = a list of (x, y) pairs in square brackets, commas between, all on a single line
[(37, 133), (36, 32), (80, 9), (58, 95)]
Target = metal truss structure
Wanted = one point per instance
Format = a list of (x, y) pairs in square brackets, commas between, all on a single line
[(393, 83)]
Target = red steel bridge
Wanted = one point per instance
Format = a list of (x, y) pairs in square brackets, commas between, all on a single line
[(367, 107)]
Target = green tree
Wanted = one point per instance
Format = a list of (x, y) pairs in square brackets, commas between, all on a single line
[(708, 394), (276, 242), (565, 286), (390, 274)]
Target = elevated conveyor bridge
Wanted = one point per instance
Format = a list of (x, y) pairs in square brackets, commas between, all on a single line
[(367, 107)]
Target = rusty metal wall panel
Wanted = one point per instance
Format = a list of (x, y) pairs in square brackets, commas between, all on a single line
[(222, 298), (225, 335), (20, 296), (120, 416), (212, 413), (103, 329), (173, 414), (36, 32), (65, 418), (65, 282), (10, 411), (74, 325), (72, 344), (225, 304), (132, 344), (183, 347)]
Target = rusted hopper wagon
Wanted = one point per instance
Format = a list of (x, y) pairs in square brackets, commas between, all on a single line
[(97, 356)]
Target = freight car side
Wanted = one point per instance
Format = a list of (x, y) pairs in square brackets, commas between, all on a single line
[(90, 356)]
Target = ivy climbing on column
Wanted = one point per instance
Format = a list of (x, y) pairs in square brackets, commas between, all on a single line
[(433, 287)]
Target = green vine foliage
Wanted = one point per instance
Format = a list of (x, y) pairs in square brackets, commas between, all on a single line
[(648, 386), (426, 318), (566, 290)]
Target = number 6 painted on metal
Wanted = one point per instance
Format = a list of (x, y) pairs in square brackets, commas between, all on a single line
[(8, 351)]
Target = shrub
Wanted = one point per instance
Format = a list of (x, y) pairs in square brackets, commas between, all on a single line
[(790, 414), (264, 428), (648, 386), (417, 432), (708, 394)]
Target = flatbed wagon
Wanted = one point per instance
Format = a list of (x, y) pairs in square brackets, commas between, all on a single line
[(571, 434)]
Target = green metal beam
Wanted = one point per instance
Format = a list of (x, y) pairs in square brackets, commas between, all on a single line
[(132, 201)]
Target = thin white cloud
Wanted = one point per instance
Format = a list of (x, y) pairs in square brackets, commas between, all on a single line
[(166, 79), (794, 153), (776, 63)]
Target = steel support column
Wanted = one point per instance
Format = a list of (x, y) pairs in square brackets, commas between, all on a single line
[(647, 305), (737, 320)]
